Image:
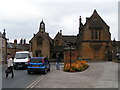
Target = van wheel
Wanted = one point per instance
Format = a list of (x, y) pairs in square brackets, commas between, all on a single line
[(45, 71)]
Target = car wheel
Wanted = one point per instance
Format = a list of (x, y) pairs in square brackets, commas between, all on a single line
[(48, 69), (45, 71)]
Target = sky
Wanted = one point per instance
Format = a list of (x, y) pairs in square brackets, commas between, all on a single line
[(21, 18)]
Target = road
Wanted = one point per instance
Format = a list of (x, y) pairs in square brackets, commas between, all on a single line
[(102, 75), (21, 79)]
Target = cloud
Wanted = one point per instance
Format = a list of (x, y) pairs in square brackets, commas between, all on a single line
[(21, 18)]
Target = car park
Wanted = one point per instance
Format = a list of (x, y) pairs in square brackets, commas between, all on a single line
[(38, 64)]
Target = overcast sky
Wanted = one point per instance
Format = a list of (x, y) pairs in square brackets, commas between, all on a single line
[(21, 18)]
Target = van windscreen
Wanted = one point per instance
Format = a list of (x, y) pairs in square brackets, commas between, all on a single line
[(36, 60), (21, 55)]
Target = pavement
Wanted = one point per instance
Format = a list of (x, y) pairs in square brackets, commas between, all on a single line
[(98, 75)]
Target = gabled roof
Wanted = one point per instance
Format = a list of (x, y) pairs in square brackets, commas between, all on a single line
[(95, 14), (58, 35), (44, 34)]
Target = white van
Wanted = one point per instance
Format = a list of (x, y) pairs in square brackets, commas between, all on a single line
[(21, 59)]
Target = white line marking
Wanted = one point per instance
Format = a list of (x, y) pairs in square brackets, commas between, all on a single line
[(36, 81)]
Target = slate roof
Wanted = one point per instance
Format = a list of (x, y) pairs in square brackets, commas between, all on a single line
[(18, 46), (68, 39)]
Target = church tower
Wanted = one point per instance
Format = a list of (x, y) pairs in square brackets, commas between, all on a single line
[(42, 27)]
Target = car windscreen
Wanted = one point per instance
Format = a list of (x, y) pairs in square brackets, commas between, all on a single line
[(21, 55), (36, 60)]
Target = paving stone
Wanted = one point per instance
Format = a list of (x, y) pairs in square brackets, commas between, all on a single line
[(98, 75)]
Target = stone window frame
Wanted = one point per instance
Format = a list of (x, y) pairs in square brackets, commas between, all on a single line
[(95, 34)]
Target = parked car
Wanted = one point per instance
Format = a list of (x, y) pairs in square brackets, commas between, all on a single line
[(21, 59), (38, 64)]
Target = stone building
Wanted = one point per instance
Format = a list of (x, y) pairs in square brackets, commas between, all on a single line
[(61, 46), (12, 48), (93, 42), (0, 47), (94, 39), (115, 49), (4, 47), (41, 43)]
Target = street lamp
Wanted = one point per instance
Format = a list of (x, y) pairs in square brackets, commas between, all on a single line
[(70, 44), (70, 52)]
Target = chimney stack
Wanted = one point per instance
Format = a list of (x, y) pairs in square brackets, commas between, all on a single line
[(60, 31), (24, 41), (4, 34), (15, 41), (21, 41), (34, 35)]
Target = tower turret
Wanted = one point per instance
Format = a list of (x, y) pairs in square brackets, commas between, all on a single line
[(42, 26)]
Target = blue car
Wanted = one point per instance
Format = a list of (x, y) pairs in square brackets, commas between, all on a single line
[(38, 64)]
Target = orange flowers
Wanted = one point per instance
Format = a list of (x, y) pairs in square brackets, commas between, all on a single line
[(75, 67)]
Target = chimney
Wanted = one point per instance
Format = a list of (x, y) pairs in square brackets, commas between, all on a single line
[(15, 41), (4, 34), (34, 35), (80, 21), (21, 41), (60, 31), (24, 41)]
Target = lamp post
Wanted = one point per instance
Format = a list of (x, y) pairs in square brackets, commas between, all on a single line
[(70, 44), (70, 53)]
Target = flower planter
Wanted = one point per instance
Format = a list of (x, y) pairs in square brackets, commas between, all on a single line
[(78, 66)]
